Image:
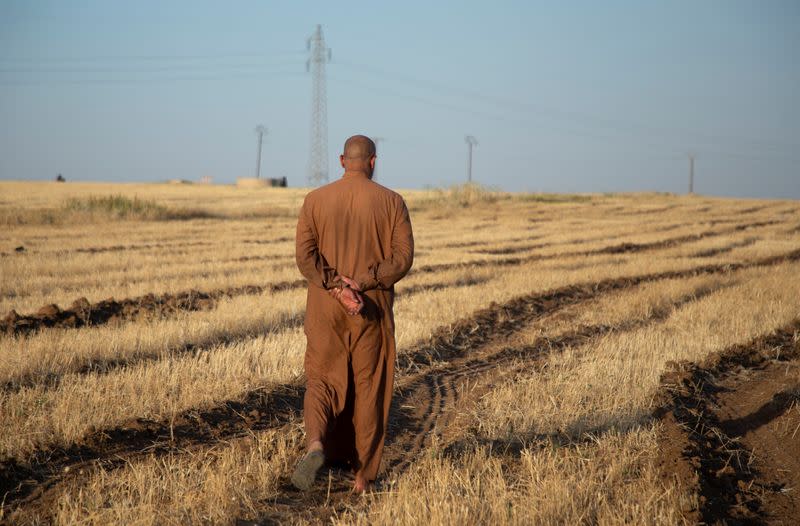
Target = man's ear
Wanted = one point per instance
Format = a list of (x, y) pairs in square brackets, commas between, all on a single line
[(372, 161), (341, 160)]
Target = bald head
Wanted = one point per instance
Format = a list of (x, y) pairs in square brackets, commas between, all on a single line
[(359, 147), (358, 155)]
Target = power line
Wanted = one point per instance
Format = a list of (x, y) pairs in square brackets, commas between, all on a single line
[(148, 57), (150, 69), (614, 124), (151, 80), (657, 145)]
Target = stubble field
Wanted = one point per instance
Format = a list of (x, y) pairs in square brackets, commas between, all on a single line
[(583, 359)]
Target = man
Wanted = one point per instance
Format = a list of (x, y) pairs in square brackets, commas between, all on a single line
[(354, 242)]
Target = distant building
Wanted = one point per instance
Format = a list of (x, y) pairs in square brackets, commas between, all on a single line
[(60, 179), (252, 182)]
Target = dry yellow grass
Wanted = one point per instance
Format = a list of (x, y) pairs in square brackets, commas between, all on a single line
[(578, 418)]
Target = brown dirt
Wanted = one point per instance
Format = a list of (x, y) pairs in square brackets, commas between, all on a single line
[(107, 365), (622, 248), (146, 246), (513, 249), (435, 375), (83, 313), (426, 409), (469, 350), (730, 431), (727, 248), (754, 209)]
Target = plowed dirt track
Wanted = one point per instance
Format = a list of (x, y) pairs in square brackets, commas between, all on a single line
[(610, 359)]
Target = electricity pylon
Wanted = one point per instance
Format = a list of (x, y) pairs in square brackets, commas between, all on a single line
[(318, 154)]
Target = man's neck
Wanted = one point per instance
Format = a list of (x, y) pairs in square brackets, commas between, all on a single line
[(356, 173)]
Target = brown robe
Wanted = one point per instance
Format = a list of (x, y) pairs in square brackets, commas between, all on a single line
[(356, 228)]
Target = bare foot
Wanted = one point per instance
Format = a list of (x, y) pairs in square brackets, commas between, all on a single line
[(362, 485)]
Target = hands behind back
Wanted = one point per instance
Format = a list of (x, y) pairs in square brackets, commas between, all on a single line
[(348, 296)]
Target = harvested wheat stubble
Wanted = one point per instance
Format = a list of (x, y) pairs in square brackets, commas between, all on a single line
[(433, 418), (80, 313), (621, 248), (414, 390), (107, 365), (23, 479), (721, 437)]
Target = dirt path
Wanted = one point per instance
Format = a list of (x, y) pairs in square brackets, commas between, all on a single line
[(731, 431)]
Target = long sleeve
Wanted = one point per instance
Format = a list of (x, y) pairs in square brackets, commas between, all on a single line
[(384, 274), (310, 261)]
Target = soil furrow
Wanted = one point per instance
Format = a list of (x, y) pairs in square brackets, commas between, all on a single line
[(227, 420), (622, 248), (425, 410), (81, 313), (417, 415), (94, 365), (727, 248), (513, 249), (721, 437), (151, 246), (106, 447)]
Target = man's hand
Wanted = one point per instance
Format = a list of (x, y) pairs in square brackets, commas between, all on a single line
[(348, 297), (350, 283)]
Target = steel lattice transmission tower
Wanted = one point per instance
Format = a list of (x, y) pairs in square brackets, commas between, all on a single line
[(318, 155)]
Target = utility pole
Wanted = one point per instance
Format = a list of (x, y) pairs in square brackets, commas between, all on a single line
[(377, 141), (318, 154), (691, 172), (471, 141), (260, 131)]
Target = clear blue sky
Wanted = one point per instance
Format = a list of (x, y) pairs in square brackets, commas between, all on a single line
[(562, 96)]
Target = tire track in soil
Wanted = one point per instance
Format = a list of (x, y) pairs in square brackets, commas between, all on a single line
[(95, 365), (718, 442), (81, 313), (25, 482)]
